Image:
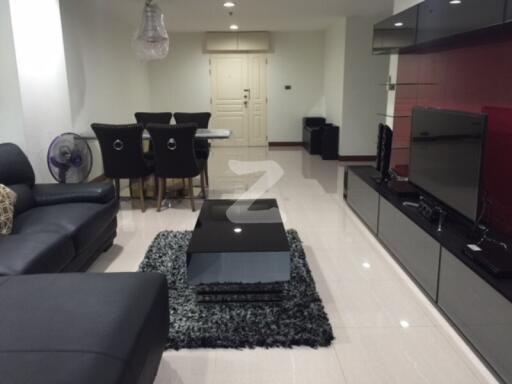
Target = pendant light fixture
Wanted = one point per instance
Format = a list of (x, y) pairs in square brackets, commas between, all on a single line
[(151, 40)]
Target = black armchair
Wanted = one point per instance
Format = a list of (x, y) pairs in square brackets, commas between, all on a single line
[(202, 147), (123, 154), (175, 157), (312, 131)]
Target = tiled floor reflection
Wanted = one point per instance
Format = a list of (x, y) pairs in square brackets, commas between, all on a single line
[(386, 331)]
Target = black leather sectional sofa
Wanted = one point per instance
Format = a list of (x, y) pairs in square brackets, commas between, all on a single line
[(60, 328), (57, 228), (82, 328)]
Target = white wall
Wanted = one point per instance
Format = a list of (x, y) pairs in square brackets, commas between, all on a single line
[(107, 83), (398, 6), (334, 62), (363, 98), (181, 82), (11, 112), (42, 76), (297, 60)]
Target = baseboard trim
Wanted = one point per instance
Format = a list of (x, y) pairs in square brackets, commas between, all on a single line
[(357, 158), (286, 144)]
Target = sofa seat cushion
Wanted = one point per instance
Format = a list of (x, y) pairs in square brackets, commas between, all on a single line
[(83, 222), (88, 328), (40, 252)]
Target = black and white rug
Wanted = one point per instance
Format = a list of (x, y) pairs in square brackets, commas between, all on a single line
[(298, 320)]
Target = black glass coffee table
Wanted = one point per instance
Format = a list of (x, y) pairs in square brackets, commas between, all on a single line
[(237, 248)]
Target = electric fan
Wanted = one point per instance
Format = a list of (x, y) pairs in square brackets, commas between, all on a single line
[(69, 158)]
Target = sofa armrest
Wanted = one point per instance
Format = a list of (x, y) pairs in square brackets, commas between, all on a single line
[(51, 194)]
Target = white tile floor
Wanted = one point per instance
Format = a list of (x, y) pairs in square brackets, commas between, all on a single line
[(386, 330)]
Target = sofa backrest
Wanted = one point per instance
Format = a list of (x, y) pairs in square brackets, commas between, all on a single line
[(17, 173)]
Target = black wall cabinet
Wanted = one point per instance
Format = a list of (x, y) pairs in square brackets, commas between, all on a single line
[(433, 20), (398, 31), (440, 18)]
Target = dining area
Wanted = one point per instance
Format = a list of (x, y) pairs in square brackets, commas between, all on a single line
[(155, 151)]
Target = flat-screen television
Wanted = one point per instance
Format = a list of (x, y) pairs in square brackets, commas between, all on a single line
[(446, 157)]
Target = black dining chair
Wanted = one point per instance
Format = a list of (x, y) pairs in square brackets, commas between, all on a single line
[(153, 118), (175, 157), (202, 120), (123, 154), (146, 118)]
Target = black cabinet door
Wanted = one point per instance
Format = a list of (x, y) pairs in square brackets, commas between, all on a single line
[(398, 31), (444, 18), (363, 199), (482, 314), (414, 248)]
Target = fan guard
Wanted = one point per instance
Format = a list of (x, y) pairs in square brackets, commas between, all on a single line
[(69, 159)]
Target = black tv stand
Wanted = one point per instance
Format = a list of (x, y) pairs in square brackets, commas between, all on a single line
[(494, 258), (476, 299), (402, 188)]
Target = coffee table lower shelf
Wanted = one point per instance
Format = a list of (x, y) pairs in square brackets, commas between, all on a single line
[(221, 297)]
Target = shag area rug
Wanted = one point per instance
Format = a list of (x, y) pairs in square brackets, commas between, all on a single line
[(298, 320)]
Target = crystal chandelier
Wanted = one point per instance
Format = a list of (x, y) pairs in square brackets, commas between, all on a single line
[(151, 40)]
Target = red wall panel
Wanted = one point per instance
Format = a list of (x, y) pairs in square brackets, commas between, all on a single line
[(472, 77)]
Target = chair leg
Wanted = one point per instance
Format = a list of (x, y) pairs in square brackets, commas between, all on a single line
[(155, 187), (184, 185), (141, 193), (191, 193), (161, 190), (203, 187), (206, 173), (118, 188)]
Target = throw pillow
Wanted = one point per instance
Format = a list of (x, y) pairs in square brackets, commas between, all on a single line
[(7, 201)]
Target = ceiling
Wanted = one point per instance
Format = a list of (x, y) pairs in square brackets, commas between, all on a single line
[(268, 15)]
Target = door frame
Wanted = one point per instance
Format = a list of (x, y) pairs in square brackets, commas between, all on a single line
[(255, 112)]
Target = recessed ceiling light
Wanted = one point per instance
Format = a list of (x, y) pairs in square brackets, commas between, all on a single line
[(404, 324), (399, 24), (455, 2), (237, 230), (229, 4), (367, 265), (233, 27)]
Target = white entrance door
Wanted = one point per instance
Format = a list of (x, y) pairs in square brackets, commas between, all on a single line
[(239, 98)]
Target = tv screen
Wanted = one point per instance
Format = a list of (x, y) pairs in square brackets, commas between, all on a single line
[(446, 157)]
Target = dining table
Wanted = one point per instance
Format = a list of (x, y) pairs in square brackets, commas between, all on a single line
[(201, 133)]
